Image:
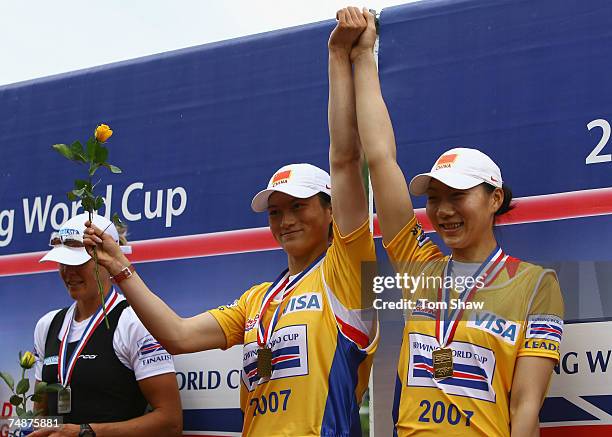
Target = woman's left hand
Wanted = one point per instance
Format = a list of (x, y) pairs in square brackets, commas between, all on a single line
[(66, 430), (351, 24)]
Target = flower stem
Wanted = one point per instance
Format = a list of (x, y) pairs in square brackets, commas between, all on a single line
[(100, 290), (23, 396)]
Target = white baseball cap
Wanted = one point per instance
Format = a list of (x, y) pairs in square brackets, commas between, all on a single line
[(297, 180), (459, 168), (68, 241)]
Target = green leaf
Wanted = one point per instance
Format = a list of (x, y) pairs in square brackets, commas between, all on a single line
[(64, 150), (71, 196), (78, 193), (37, 398), (16, 400), (8, 379), (87, 203), (50, 388), (20, 412), (77, 150), (93, 168), (88, 190), (113, 168), (80, 183), (28, 415), (99, 203), (23, 386), (92, 146), (40, 387), (76, 147), (101, 155), (116, 220)]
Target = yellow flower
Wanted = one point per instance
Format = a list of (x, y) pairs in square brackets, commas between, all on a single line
[(27, 360), (103, 133)]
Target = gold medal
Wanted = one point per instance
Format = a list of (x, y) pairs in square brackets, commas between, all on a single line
[(264, 362), (64, 401), (442, 363)]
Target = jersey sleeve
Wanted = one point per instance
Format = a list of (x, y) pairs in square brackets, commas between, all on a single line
[(544, 325), (40, 336), (346, 265), (412, 244), (232, 318), (138, 350)]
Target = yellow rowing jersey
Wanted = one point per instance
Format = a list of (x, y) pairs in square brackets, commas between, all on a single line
[(322, 347), (519, 313)]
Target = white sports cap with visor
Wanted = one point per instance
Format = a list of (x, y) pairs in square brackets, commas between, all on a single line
[(460, 168), (68, 245), (297, 180)]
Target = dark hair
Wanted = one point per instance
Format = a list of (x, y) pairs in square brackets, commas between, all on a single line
[(325, 199), (505, 206)]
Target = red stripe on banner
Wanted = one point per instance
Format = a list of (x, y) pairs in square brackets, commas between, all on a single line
[(160, 249), (559, 206), (547, 207), (573, 431)]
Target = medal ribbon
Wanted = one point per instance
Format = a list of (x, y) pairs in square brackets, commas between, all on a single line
[(446, 324), (66, 367), (281, 284)]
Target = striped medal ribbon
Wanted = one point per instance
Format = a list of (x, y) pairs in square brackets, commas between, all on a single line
[(65, 367), (446, 324), (284, 286)]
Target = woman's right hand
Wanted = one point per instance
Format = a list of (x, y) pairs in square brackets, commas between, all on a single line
[(367, 39), (351, 23), (108, 252)]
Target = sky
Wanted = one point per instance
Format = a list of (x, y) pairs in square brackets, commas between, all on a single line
[(39, 38)]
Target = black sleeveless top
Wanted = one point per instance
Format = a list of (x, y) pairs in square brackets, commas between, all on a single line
[(103, 389)]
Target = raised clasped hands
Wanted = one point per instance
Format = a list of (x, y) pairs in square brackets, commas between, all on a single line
[(355, 33)]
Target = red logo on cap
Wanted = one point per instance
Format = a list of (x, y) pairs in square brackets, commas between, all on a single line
[(493, 179), (445, 161), (281, 177)]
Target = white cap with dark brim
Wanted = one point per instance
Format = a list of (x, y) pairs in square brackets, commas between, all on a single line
[(297, 180), (75, 256), (460, 168)]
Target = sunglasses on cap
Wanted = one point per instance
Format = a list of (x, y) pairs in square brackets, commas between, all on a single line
[(74, 241)]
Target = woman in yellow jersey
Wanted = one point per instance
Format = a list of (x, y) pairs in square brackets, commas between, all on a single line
[(482, 336), (308, 341)]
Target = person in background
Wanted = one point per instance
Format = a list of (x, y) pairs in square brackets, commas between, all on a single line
[(109, 376)]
